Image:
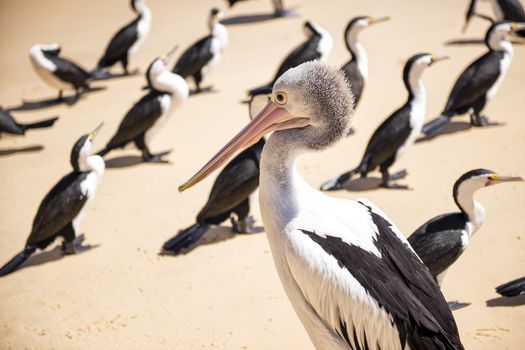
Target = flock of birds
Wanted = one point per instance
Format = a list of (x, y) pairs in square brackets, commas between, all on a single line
[(352, 277)]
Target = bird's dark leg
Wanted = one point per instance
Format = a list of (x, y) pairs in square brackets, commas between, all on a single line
[(481, 121), (401, 174), (197, 78), (244, 222), (68, 232), (124, 63), (387, 181), (60, 97), (147, 156)]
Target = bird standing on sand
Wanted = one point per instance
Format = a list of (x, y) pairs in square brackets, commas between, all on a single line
[(397, 133), (351, 276), (126, 41), (9, 125), (504, 10), (440, 241), (167, 92), (58, 72), (201, 56), (65, 206), (317, 46), (278, 6), (480, 81)]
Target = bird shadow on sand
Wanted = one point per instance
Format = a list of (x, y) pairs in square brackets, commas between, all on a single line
[(506, 301), (449, 128), (52, 255), (109, 76), (27, 149), (49, 102), (214, 235), (204, 90), (361, 184), (129, 161), (472, 41), (257, 17)]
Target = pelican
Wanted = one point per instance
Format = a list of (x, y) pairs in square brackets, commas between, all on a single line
[(351, 276)]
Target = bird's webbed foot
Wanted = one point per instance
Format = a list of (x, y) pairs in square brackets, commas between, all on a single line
[(75, 246), (155, 158), (401, 174), (245, 225), (482, 121), (393, 186)]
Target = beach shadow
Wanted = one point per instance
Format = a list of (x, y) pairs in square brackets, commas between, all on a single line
[(361, 184), (462, 42), (49, 102), (247, 19), (123, 162), (52, 255), (506, 301), (450, 128), (214, 235), (105, 75), (27, 149), (204, 90)]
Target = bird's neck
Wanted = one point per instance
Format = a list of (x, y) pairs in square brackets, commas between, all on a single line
[(358, 53), (415, 87), (93, 163), (38, 59), (470, 207), (172, 84), (501, 44), (218, 30), (143, 11)]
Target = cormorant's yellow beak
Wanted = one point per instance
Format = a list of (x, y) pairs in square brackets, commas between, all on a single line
[(436, 58), (91, 135), (375, 20), (496, 179)]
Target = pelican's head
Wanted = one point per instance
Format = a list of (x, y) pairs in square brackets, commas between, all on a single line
[(499, 32), (81, 150), (310, 108)]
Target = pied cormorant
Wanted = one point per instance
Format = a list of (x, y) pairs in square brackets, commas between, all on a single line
[(65, 206), (167, 91), (9, 125), (480, 81), (201, 56), (58, 72), (504, 10), (397, 133)]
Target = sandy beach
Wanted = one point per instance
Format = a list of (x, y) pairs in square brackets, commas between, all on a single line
[(227, 295)]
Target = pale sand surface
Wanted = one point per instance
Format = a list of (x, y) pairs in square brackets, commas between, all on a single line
[(227, 295)]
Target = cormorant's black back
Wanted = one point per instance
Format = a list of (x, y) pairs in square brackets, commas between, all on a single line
[(235, 183), (355, 79), (194, 58), (307, 51), (138, 120), (69, 71), (58, 208), (438, 241), (473, 83), (119, 45), (388, 138)]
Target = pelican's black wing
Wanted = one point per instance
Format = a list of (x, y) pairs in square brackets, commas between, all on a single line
[(355, 79), (119, 45), (238, 180), (70, 72), (438, 241), (473, 83), (194, 58), (303, 53), (138, 120), (58, 208), (400, 284)]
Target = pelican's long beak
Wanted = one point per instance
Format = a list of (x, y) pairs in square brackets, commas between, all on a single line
[(375, 20), (94, 133), (500, 179), (436, 58), (272, 117)]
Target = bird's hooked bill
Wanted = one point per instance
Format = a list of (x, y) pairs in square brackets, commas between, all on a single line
[(437, 58), (375, 20), (272, 117), (95, 131), (496, 179)]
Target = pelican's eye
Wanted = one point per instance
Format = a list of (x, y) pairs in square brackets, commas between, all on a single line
[(280, 98)]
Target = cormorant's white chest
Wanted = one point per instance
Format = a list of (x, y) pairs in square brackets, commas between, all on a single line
[(325, 46), (504, 65), (417, 118), (166, 108), (88, 188), (216, 49), (143, 27)]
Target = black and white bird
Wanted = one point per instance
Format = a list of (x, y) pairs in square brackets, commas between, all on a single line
[(351, 276), (440, 241), (167, 91), (512, 288), (357, 68), (480, 81), (317, 46), (204, 54), (65, 206), (398, 132), (126, 41), (58, 72), (278, 6), (504, 10), (9, 125)]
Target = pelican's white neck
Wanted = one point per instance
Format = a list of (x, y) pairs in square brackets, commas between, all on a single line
[(357, 50)]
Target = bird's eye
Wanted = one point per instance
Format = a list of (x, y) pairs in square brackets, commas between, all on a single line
[(280, 98), (492, 177)]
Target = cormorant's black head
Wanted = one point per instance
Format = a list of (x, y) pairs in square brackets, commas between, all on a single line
[(358, 23), (499, 32), (52, 50), (82, 148), (416, 65), (215, 14), (475, 179)]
